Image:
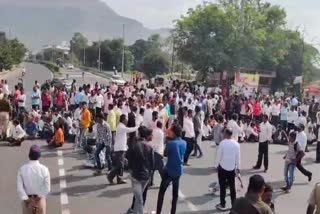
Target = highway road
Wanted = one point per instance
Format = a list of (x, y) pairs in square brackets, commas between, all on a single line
[(76, 191)]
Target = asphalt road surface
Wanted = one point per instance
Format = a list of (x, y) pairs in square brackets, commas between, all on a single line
[(76, 191)]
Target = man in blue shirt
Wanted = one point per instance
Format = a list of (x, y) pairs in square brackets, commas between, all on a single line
[(78, 98), (35, 96), (175, 150)]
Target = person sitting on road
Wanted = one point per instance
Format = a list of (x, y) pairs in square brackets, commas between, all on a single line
[(58, 138), (18, 134), (31, 128), (267, 196)]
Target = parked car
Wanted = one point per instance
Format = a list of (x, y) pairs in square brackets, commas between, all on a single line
[(70, 66), (117, 79), (58, 83)]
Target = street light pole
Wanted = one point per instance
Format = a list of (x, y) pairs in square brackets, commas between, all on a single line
[(123, 49), (84, 56), (99, 60)]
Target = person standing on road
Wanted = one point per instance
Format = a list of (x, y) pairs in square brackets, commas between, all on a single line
[(265, 136), (46, 100), (112, 121), (22, 102), (33, 184), (189, 136), (302, 140), (120, 148), (35, 98), (175, 150), (5, 110), (104, 140), (314, 200), (85, 121), (227, 163), (141, 163), (197, 121)]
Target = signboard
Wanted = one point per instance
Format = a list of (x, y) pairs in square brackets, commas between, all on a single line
[(247, 80)]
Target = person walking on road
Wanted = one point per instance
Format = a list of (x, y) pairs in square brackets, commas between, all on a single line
[(198, 132), (141, 163), (120, 148), (228, 164), (33, 184), (293, 154), (265, 137), (175, 150), (302, 140)]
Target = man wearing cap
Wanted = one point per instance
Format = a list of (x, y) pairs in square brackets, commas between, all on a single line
[(33, 184)]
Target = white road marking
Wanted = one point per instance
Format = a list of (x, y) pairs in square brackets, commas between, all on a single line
[(63, 184), (191, 206), (62, 173), (60, 153), (66, 211), (64, 198), (60, 162)]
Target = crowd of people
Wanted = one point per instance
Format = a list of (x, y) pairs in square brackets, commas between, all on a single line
[(144, 129)]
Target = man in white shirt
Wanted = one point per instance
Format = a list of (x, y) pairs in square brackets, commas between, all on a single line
[(147, 117), (99, 102), (236, 129), (302, 119), (107, 101), (189, 137), (265, 136), (158, 147), (5, 88), (292, 118), (18, 134), (120, 148), (33, 183), (302, 140), (227, 163), (275, 113)]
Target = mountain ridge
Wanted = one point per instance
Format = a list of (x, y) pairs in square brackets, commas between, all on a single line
[(42, 22)]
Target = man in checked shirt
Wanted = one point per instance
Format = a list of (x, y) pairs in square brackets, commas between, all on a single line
[(103, 141)]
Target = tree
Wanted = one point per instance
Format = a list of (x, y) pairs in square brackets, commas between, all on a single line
[(139, 49), (233, 34), (155, 63), (17, 50), (78, 45), (12, 52)]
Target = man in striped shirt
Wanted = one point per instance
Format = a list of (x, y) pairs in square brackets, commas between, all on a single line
[(103, 141)]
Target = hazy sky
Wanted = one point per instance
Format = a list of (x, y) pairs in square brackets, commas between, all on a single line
[(161, 13)]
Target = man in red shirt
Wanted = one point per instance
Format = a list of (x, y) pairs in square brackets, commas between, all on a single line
[(257, 111), (46, 100)]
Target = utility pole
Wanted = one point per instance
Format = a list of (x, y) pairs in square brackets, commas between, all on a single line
[(173, 54), (99, 57), (123, 49), (242, 24), (84, 56)]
